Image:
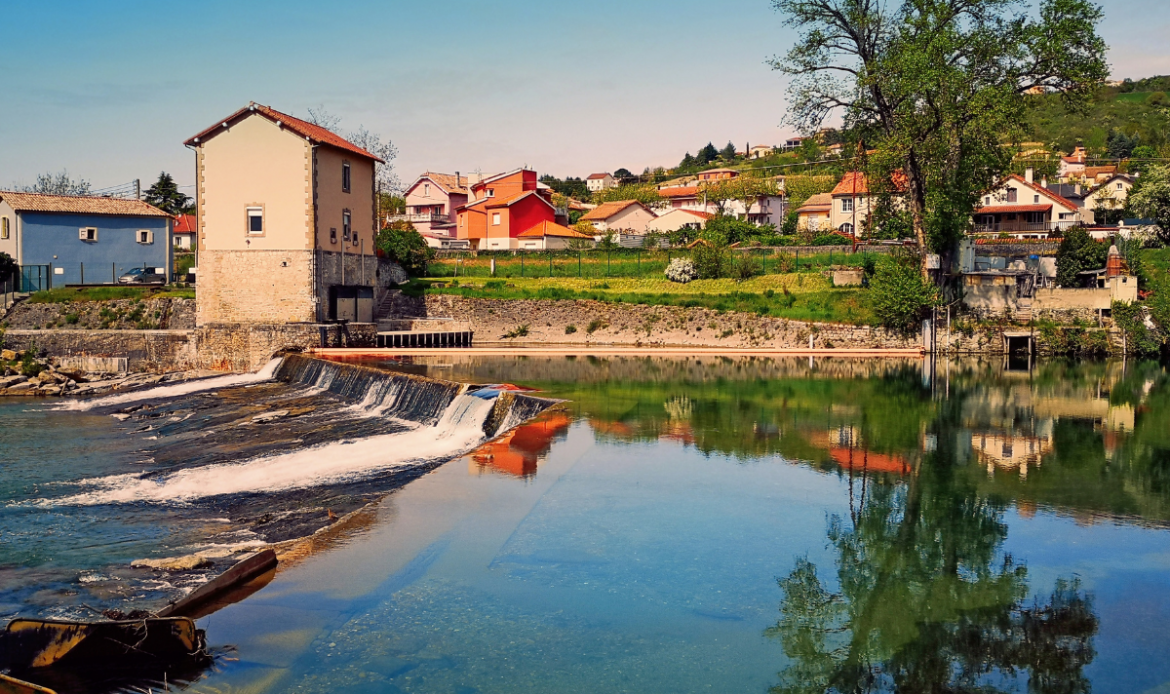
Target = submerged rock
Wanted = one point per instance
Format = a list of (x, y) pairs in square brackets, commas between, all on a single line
[(185, 563)]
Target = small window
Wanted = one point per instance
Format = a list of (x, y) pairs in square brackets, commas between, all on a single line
[(1012, 195), (426, 190), (4, 228), (332, 234), (145, 236), (87, 233), (345, 225), (1036, 199), (987, 200), (495, 219), (491, 192), (255, 220), (847, 205), (1120, 186), (345, 179)]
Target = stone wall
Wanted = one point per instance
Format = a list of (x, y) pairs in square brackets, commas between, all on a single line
[(569, 322), (145, 350), (120, 314), (255, 286), (236, 347)]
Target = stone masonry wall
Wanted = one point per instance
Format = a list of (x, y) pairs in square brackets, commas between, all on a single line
[(495, 320), (235, 347), (255, 286), (146, 350)]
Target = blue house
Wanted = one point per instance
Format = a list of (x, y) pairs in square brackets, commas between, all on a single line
[(63, 240)]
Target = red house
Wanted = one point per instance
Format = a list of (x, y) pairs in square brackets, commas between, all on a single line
[(504, 207)]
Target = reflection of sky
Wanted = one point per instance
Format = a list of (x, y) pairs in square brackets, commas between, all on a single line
[(111, 91)]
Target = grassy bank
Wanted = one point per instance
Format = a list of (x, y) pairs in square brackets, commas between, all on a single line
[(64, 295), (800, 296)]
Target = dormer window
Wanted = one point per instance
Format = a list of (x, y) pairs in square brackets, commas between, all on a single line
[(491, 192), (345, 177)]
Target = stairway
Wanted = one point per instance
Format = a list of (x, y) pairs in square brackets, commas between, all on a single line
[(1024, 310)]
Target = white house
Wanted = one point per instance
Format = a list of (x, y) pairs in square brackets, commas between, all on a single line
[(600, 181), (678, 219), (624, 215)]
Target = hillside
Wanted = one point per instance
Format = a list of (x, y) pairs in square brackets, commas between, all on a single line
[(1140, 108)]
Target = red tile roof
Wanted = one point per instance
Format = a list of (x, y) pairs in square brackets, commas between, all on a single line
[(553, 229), (596, 177), (314, 133), (185, 224), (513, 199), (704, 215), (1013, 209), (1043, 191), (857, 183), (821, 202), (609, 209), (679, 192), (71, 204), (445, 181)]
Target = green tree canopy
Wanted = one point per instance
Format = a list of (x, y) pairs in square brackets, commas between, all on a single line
[(1150, 198), (935, 86), (1078, 252), (165, 195), (402, 244), (60, 183)]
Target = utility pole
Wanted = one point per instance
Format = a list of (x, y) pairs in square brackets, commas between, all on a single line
[(137, 189)]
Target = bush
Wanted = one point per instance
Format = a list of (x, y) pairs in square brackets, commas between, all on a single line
[(518, 331), (743, 267), (7, 267), (570, 329), (710, 261), (681, 270), (733, 230), (900, 296), (1078, 252), (402, 244)]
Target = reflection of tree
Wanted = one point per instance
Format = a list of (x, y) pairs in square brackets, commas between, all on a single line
[(928, 603)]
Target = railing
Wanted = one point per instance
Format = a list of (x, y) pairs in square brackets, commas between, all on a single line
[(422, 217), (1019, 227)]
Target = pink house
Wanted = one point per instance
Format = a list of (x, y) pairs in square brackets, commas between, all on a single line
[(431, 202)]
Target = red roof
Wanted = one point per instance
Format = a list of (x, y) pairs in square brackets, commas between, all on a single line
[(313, 133), (679, 192), (1043, 191), (609, 209), (1013, 209), (704, 215), (547, 228), (185, 224), (857, 183), (513, 199), (595, 177)]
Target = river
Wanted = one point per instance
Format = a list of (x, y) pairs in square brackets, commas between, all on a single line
[(674, 525)]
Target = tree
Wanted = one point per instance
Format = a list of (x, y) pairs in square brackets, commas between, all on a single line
[(165, 195), (707, 155), (1078, 252), (571, 187), (385, 178), (58, 184), (900, 295), (8, 267), (1150, 198), (728, 152), (647, 194), (935, 85), (1140, 153), (801, 188), (1119, 145), (688, 162), (402, 244), (624, 175)]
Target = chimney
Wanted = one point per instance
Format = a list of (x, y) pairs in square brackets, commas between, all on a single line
[(1028, 175), (456, 179), (1043, 181), (1077, 189)]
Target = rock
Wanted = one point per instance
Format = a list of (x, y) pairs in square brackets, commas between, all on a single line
[(22, 387), (269, 416), (50, 390), (8, 355), (9, 381)]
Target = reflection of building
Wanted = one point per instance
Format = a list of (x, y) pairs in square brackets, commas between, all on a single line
[(519, 452), (847, 449), (1010, 452)]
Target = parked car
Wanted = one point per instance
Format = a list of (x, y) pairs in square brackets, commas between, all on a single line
[(142, 275)]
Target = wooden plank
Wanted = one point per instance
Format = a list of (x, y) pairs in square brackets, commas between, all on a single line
[(243, 571)]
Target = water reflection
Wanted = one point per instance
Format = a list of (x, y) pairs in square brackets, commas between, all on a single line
[(521, 451)]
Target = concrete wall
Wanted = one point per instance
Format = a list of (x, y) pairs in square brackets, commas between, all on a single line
[(255, 163), (53, 238), (332, 200), (145, 350)]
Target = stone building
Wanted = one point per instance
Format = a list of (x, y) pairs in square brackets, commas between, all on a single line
[(286, 215)]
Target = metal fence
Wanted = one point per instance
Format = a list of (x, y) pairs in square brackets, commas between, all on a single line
[(634, 262)]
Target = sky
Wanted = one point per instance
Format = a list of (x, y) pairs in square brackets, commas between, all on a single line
[(110, 91)]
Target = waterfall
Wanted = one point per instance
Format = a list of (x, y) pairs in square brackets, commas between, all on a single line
[(443, 420), (176, 390)]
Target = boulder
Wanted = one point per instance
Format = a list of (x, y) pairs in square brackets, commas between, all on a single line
[(9, 381)]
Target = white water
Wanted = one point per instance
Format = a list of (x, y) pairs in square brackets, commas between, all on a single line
[(175, 390), (459, 431)]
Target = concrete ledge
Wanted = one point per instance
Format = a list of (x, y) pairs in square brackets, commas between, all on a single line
[(608, 351)]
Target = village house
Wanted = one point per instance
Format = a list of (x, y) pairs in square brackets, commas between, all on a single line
[(816, 214), (503, 207), (629, 216), (600, 181), (712, 175), (760, 151), (852, 203), (1023, 209), (1073, 165), (431, 202), (184, 232), (765, 209), (792, 143), (286, 213), (675, 220), (550, 236), (77, 240)]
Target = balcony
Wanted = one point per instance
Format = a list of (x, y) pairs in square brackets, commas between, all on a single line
[(422, 218), (1018, 226)]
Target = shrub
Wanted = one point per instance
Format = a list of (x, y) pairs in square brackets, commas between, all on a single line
[(518, 331), (681, 270), (595, 325), (402, 244), (570, 329), (899, 294), (710, 261), (8, 267), (743, 267), (1078, 252)]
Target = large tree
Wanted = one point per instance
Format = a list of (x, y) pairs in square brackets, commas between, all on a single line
[(58, 184), (165, 195), (937, 87), (384, 174)]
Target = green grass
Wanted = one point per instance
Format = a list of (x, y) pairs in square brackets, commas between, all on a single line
[(184, 262), (107, 293), (794, 296)]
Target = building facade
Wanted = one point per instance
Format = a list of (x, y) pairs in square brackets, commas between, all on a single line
[(600, 181), (1022, 209), (503, 207), (431, 202), (84, 240), (286, 214), (626, 215)]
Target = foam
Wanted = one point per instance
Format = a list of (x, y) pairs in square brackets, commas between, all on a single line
[(177, 389)]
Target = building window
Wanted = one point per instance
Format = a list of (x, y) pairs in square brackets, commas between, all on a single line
[(345, 179), (987, 200), (87, 233), (426, 190), (1121, 186), (491, 192), (495, 219), (332, 234), (4, 228), (1012, 195), (847, 205), (145, 236), (256, 220), (1036, 199), (847, 228), (345, 225)]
